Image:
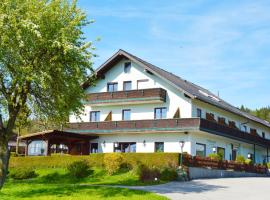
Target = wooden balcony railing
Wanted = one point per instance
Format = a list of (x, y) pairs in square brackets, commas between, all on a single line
[(135, 125), (183, 124), (144, 96), (233, 133)]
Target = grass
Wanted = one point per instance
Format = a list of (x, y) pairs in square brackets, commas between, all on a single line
[(58, 184)]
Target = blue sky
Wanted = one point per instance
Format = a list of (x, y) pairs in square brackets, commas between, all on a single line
[(220, 45)]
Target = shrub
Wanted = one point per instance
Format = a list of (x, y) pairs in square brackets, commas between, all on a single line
[(79, 169), (215, 156), (240, 159), (248, 162), (168, 174), (23, 173), (113, 162), (268, 165), (148, 174), (159, 160)]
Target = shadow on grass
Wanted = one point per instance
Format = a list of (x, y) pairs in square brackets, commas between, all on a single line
[(67, 191)]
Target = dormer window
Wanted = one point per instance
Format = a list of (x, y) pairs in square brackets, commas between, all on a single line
[(127, 67)]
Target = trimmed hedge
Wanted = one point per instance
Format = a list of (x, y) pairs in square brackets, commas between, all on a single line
[(95, 160)]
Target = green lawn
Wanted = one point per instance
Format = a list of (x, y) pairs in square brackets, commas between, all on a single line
[(57, 184)]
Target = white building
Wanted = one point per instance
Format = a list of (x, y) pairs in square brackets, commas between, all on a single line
[(138, 107)]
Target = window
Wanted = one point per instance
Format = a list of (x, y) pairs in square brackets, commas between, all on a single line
[(160, 113), (94, 116), (127, 67), (199, 113), (142, 84), (200, 150), (127, 85), (126, 114), (244, 128), (159, 146), (125, 147), (112, 87), (221, 151), (263, 134)]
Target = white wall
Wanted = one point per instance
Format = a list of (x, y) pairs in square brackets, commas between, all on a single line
[(145, 111), (211, 141), (171, 141)]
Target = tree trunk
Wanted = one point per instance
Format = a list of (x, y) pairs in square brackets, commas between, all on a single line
[(4, 158)]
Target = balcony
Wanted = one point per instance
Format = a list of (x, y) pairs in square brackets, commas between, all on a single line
[(233, 133), (153, 95), (166, 125)]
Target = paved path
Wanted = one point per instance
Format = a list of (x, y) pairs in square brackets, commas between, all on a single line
[(214, 189)]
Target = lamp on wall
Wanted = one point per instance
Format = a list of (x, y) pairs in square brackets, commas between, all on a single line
[(104, 143), (249, 155), (116, 144), (181, 143), (214, 149), (144, 143)]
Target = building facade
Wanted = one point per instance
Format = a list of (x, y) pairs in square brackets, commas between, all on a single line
[(138, 107)]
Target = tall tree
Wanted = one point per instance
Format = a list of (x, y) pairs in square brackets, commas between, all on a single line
[(44, 58)]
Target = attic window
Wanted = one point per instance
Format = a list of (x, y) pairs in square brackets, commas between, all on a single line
[(209, 95), (127, 67)]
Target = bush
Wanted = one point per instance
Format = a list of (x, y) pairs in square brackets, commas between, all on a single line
[(113, 162), (148, 174), (168, 174), (248, 162), (79, 169), (215, 156), (159, 160), (268, 165), (240, 159), (23, 173)]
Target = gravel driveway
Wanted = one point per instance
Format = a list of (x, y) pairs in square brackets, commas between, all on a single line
[(214, 189)]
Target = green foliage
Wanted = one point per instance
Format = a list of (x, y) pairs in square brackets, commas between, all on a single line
[(113, 162), (168, 174), (44, 59), (263, 113), (159, 160), (216, 156), (248, 162), (23, 173), (79, 169), (148, 174), (268, 165), (240, 159)]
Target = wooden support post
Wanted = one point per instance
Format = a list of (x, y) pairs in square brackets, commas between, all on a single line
[(48, 148), (267, 154), (254, 153), (26, 148)]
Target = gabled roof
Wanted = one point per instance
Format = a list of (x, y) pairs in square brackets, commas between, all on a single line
[(190, 89)]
